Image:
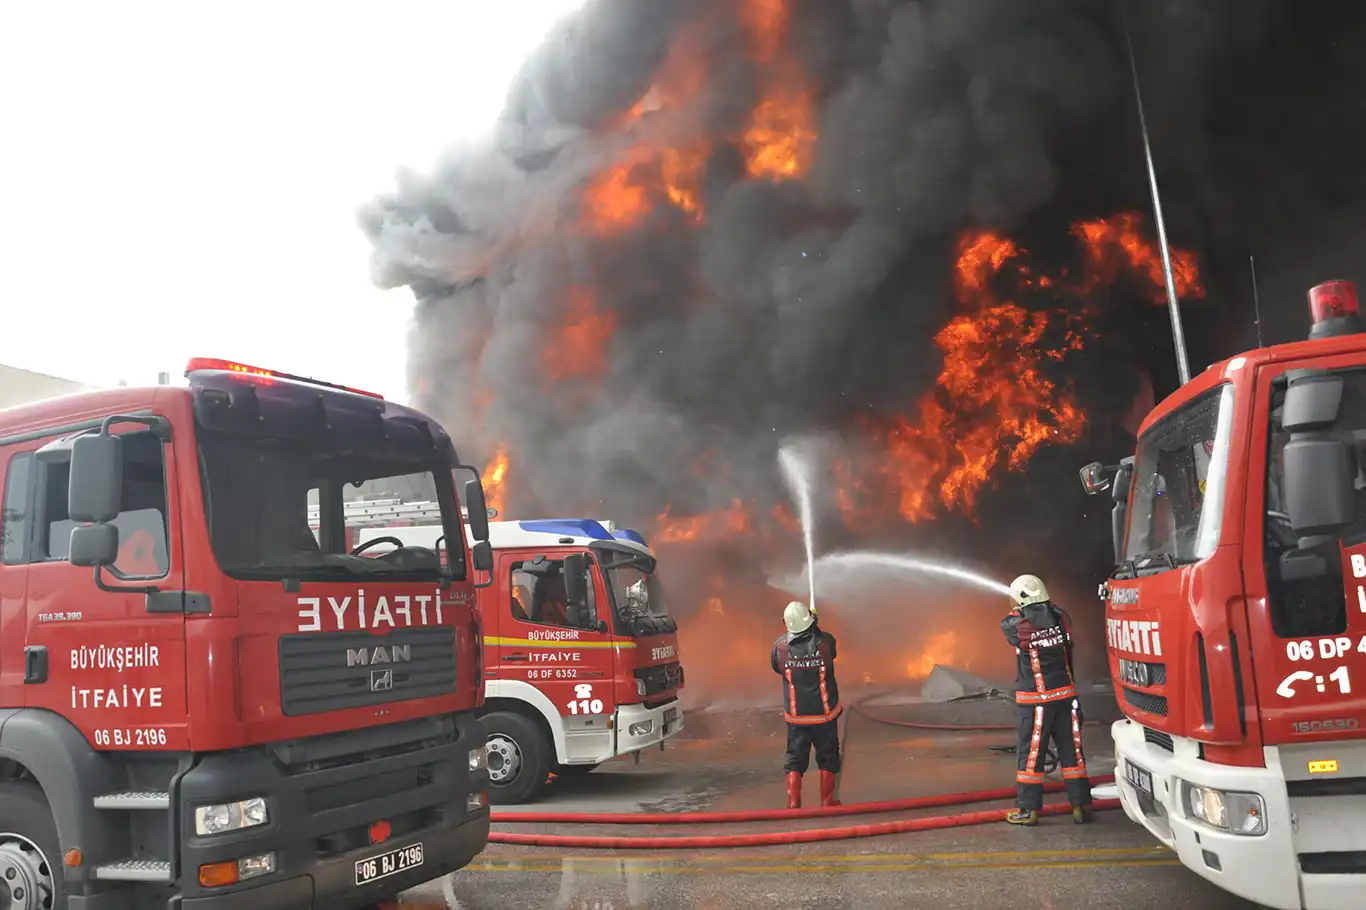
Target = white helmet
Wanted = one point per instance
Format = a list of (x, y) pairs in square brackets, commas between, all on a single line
[(797, 617), (1028, 589)]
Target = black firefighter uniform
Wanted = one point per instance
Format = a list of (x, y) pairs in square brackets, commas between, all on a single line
[(811, 708), (1047, 706)]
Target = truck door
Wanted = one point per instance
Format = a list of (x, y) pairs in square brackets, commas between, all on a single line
[(1311, 668), (111, 661), (14, 515), (569, 658)]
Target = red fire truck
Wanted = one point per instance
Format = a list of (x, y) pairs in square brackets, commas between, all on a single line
[(1236, 617), (582, 654), (204, 704)]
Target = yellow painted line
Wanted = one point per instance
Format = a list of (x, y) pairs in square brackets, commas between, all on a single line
[(1156, 851), (570, 645), (686, 869)]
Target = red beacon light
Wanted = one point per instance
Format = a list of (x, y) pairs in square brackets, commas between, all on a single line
[(1334, 309), (203, 364)]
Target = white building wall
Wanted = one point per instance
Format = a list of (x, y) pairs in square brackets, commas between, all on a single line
[(23, 386)]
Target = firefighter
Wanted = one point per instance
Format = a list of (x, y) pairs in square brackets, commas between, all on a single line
[(1046, 700), (805, 658)]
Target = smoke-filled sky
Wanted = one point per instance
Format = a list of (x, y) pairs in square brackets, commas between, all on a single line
[(704, 226)]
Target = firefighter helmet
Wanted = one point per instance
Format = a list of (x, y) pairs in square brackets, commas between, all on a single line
[(797, 617), (1028, 589)]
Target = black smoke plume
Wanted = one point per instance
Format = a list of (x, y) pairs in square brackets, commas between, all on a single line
[(795, 306)]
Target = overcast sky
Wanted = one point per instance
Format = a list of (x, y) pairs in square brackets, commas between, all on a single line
[(181, 179)]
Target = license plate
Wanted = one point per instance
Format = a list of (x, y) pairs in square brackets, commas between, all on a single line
[(1141, 778), (387, 864), (670, 716)]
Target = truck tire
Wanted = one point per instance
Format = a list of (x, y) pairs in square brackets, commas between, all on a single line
[(30, 854), (574, 770), (519, 758)]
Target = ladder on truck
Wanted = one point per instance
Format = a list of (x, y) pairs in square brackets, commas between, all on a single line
[(395, 512)]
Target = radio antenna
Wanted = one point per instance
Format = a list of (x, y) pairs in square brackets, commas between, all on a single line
[(1173, 307), (1256, 303)]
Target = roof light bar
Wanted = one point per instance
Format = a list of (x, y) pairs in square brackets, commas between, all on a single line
[(198, 364)]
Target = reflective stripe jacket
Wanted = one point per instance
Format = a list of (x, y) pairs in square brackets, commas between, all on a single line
[(806, 662), (1042, 637)]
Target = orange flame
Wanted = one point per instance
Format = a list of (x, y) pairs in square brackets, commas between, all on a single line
[(615, 201), (494, 473), (995, 403), (578, 348), (1102, 236)]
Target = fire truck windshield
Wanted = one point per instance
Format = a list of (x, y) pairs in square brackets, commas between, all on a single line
[(1178, 484), (638, 599), (275, 507)]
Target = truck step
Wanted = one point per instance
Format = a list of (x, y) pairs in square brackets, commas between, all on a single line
[(134, 799), (135, 870)]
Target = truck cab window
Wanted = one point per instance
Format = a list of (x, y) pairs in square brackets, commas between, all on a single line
[(14, 515), (1178, 501), (1317, 606), (142, 521), (538, 595)]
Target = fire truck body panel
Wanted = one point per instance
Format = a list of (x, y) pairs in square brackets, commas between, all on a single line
[(1237, 639), (598, 687), (184, 687)]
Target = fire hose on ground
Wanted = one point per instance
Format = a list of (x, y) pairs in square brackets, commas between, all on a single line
[(778, 838)]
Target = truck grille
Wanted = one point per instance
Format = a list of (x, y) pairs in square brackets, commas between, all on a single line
[(397, 772), (1153, 704), (661, 678), (1159, 739), (331, 671)]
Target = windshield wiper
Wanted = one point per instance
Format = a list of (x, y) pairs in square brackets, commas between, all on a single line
[(1146, 560), (1125, 570)]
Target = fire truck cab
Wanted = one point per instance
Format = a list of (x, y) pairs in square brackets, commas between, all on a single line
[(581, 655), (1236, 617), (201, 703)]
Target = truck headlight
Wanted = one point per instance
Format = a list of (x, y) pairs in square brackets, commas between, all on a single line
[(1237, 813), (230, 816), (641, 728), (479, 759)]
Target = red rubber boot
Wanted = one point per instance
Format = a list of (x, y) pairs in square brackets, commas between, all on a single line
[(794, 789), (828, 779)]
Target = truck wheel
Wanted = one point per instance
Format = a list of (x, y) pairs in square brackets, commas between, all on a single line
[(30, 854), (518, 758), (574, 770)]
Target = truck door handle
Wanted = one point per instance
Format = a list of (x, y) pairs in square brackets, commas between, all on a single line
[(514, 657)]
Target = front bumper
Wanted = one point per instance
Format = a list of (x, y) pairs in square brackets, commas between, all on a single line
[(322, 807), (1264, 869), (658, 731)]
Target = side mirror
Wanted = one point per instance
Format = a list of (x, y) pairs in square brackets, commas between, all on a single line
[(96, 485), (94, 545), (1312, 402), (1093, 479), (576, 579), (1119, 515), (482, 555), (478, 519), (1319, 484)]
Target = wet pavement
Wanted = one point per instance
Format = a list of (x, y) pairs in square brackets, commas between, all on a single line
[(732, 761)]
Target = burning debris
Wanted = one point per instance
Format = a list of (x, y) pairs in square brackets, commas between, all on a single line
[(767, 217)]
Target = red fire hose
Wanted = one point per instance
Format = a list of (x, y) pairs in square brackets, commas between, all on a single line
[(765, 815), (949, 728), (776, 838)]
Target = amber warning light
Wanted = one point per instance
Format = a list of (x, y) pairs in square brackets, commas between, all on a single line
[(200, 364), (1334, 309)]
